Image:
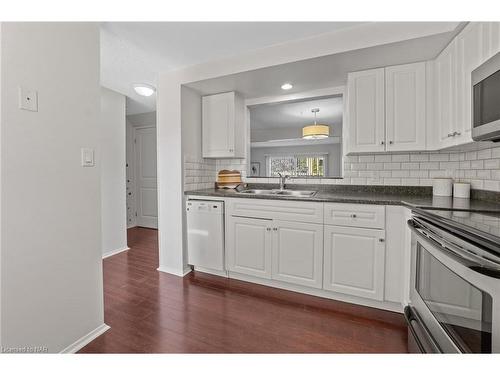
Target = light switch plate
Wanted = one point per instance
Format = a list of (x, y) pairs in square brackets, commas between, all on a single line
[(88, 157), (28, 99)]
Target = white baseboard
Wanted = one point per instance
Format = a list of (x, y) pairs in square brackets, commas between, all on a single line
[(114, 252), (174, 271), (211, 271), (84, 340)]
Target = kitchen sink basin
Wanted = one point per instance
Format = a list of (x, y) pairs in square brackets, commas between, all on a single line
[(289, 193)]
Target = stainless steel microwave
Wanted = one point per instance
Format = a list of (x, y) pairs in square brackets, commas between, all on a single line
[(486, 101)]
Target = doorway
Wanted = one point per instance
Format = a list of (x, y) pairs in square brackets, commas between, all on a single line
[(142, 198)]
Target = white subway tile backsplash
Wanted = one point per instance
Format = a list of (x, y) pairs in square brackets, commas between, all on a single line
[(400, 157), (391, 166), (439, 157), (480, 168), (430, 165), (419, 157), (477, 164), (484, 154), (383, 158)]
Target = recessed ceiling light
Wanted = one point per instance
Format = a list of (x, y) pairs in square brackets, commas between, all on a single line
[(144, 89), (286, 86)]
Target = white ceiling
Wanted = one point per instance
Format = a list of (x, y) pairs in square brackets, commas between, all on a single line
[(325, 71), (134, 52), (298, 114)]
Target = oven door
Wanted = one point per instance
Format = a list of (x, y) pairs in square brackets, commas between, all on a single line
[(453, 302)]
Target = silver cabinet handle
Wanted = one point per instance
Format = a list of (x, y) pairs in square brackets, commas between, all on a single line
[(353, 216), (382, 142), (381, 240), (391, 142)]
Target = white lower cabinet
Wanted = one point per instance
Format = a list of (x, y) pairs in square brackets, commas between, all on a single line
[(282, 250), (298, 253), (248, 246), (354, 261)]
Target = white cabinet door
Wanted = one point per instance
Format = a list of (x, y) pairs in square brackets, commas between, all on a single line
[(298, 253), (366, 109), (491, 39), (445, 99), (248, 246), (405, 107), (354, 261), (469, 57)]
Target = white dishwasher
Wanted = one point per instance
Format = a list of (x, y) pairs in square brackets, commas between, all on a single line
[(205, 232)]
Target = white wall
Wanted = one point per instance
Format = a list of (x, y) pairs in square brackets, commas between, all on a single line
[(51, 275), (113, 175)]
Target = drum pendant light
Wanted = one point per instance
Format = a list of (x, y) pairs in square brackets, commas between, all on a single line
[(316, 131)]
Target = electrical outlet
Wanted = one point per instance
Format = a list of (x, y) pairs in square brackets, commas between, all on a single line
[(28, 99)]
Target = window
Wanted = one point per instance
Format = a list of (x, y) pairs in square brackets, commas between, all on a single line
[(297, 165)]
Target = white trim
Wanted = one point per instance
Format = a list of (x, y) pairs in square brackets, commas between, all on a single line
[(311, 94), (384, 305), (114, 252), (211, 272), (175, 272), (84, 340)]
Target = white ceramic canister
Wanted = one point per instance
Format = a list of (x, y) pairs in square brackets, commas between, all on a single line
[(461, 190), (442, 187)]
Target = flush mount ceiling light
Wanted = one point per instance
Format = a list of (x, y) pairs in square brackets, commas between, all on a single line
[(316, 131), (144, 89), (286, 86)]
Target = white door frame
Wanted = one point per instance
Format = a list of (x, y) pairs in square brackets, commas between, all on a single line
[(136, 178)]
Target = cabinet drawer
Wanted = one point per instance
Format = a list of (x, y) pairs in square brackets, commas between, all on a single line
[(355, 215), (309, 212)]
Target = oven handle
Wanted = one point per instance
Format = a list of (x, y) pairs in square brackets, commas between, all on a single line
[(420, 333), (479, 264)]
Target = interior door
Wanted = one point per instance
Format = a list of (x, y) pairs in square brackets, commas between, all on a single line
[(146, 190), (298, 253)]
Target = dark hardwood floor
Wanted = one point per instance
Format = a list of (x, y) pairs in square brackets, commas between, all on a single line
[(153, 312)]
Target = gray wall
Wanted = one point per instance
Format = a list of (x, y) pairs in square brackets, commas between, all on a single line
[(50, 217)]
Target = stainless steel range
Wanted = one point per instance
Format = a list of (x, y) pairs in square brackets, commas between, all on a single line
[(455, 282)]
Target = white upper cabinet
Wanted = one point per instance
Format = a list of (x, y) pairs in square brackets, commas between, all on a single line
[(476, 43), (469, 56), (223, 126), (366, 111), (445, 96), (386, 109), (405, 107)]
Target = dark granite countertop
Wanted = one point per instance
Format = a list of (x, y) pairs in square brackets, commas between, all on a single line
[(411, 197)]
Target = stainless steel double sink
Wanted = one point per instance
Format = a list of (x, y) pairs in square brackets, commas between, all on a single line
[(278, 192)]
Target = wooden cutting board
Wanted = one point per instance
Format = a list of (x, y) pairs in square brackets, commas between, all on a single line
[(227, 179)]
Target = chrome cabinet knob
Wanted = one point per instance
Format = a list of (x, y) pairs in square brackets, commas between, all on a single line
[(381, 240), (353, 216), (275, 229), (268, 229), (382, 142), (391, 142)]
